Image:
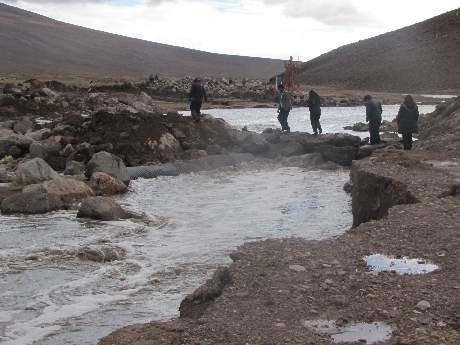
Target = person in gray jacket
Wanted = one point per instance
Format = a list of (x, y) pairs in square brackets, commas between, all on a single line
[(374, 117), (407, 120)]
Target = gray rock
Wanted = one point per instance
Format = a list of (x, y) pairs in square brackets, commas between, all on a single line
[(7, 100), (13, 144), (41, 134), (423, 305), (23, 126), (31, 203), (67, 189), (101, 253), (48, 92), (107, 163), (102, 208), (44, 150), (253, 143), (340, 155), (35, 171), (286, 149), (74, 168)]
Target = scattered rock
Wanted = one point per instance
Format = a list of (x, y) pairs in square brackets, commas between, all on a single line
[(108, 163), (35, 171), (297, 268), (102, 208), (23, 126), (105, 184), (101, 253), (423, 305), (74, 168), (67, 189)]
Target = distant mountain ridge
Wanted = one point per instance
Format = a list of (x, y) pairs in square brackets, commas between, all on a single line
[(35, 45), (420, 57)]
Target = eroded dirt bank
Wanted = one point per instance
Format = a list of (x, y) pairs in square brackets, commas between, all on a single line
[(274, 286)]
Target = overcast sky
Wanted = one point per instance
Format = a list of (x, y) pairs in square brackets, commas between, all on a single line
[(266, 28)]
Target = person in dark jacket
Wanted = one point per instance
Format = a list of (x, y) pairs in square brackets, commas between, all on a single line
[(314, 105), (407, 121), (284, 108), (374, 117), (196, 96)]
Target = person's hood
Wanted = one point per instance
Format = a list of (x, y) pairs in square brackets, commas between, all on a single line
[(414, 106)]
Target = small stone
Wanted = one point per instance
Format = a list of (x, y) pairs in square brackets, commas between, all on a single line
[(297, 268), (423, 305)]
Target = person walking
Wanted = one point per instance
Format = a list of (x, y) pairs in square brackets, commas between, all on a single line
[(196, 96), (284, 108), (374, 117), (314, 105), (407, 120)]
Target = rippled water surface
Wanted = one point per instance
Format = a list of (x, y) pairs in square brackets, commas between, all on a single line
[(333, 119), (48, 296)]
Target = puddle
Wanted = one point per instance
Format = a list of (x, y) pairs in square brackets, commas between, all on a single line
[(369, 333), (404, 265)]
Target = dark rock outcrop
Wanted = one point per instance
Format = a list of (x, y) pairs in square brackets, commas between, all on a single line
[(194, 305), (374, 194)]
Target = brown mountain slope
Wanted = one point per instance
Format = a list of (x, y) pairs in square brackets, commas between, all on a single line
[(36, 45), (421, 57)]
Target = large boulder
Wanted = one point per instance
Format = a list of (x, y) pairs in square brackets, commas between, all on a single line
[(68, 189), (35, 171), (107, 163), (105, 184), (31, 203), (102, 208)]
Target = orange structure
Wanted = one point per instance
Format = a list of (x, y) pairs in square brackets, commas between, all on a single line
[(290, 74)]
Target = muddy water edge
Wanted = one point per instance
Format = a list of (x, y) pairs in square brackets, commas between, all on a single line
[(278, 286)]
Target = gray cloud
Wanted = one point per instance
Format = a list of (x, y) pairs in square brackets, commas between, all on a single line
[(330, 12)]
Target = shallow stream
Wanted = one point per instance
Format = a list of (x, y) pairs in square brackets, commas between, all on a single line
[(48, 296)]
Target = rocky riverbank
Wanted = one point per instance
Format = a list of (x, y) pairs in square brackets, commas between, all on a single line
[(55, 143), (405, 205)]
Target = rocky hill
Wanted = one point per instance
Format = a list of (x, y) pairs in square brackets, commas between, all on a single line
[(34, 45), (421, 57)]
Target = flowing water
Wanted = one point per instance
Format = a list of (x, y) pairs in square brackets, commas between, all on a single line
[(49, 296)]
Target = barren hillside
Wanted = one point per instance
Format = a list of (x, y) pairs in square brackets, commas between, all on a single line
[(34, 45), (421, 57)]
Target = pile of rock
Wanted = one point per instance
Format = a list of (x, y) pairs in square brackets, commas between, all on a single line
[(38, 188)]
